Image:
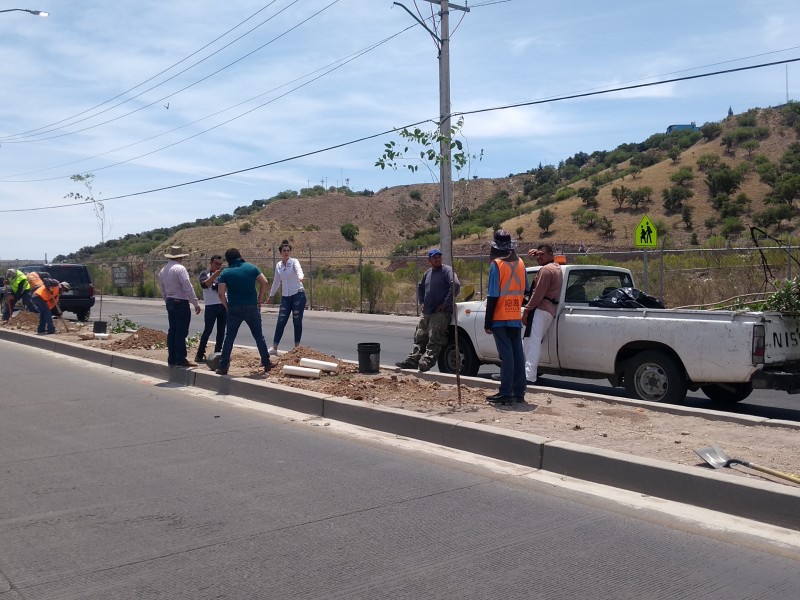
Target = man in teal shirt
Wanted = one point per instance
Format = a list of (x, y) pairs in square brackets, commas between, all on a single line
[(236, 286)]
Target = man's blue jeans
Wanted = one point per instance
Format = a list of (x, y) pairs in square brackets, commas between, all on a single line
[(215, 314), (179, 317), (296, 306), (46, 324), (512, 361), (250, 314)]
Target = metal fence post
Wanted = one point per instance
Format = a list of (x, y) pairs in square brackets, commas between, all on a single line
[(360, 280), (310, 282), (661, 277), (645, 275)]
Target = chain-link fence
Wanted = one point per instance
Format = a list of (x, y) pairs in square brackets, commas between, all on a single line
[(361, 281)]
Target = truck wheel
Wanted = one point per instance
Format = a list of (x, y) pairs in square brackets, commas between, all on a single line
[(82, 314), (469, 360), (655, 377), (728, 393)]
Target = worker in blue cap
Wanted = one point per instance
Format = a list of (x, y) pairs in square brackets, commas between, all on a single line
[(435, 292)]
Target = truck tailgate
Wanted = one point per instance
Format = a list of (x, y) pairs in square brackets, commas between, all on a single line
[(782, 338)]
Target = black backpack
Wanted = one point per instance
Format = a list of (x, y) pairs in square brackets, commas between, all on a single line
[(627, 298)]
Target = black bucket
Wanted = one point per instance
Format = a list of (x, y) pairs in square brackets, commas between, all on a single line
[(369, 358), (100, 327)]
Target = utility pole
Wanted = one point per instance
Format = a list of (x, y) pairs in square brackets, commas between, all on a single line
[(446, 168)]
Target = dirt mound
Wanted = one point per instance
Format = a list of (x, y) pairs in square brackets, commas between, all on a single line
[(22, 320), (143, 339)]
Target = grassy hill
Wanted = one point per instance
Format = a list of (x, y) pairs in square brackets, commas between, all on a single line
[(754, 145)]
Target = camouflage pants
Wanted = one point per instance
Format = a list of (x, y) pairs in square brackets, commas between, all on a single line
[(430, 338)]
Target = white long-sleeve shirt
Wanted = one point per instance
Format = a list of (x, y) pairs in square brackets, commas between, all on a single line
[(289, 277)]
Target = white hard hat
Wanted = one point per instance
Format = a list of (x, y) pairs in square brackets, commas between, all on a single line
[(65, 285)]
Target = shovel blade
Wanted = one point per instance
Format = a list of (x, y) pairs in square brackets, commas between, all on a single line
[(714, 455)]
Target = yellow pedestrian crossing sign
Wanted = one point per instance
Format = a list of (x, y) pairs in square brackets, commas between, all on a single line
[(645, 236)]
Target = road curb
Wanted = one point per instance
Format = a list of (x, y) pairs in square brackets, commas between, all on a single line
[(762, 501)]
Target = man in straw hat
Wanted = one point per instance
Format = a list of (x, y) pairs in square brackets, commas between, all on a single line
[(177, 291), (503, 319)]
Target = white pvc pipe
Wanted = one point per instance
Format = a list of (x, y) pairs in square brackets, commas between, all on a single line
[(301, 371), (101, 336), (319, 364)]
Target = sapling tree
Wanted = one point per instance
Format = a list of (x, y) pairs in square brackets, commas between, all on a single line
[(99, 208)]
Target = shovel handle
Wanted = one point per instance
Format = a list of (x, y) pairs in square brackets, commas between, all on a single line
[(782, 475)]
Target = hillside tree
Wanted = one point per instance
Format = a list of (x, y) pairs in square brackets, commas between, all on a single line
[(546, 219)]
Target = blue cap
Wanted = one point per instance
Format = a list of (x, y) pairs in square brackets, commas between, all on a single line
[(434, 252)]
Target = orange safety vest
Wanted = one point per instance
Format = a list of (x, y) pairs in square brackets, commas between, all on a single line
[(35, 281), (512, 290), (48, 294)]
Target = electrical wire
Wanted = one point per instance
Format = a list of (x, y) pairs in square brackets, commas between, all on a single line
[(331, 67), (183, 88), (623, 88), (38, 129), (395, 129)]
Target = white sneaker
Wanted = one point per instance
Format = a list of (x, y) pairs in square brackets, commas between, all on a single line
[(273, 351)]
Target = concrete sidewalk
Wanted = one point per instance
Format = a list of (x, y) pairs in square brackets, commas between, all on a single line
[(762, 501)]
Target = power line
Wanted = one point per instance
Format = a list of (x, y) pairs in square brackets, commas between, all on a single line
[(183, 89), (395, 129), (625, 88), (331, 67), (31, 131)]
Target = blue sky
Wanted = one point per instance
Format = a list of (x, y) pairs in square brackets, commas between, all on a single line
[(86, 90)]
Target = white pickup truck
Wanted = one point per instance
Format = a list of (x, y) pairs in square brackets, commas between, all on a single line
[(656, 354)]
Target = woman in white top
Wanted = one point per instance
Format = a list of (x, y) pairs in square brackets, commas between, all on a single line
[(289, 277)]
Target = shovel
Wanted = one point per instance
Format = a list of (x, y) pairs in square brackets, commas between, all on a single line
[(716, 457)]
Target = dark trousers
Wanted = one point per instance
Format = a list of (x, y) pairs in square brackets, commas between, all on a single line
[(26, 300), (512, 361), (46, 324), (295, 306), (179, 317), (215, 314), (249, 314)]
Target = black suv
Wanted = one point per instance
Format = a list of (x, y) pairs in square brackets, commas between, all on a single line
[(79, 299)]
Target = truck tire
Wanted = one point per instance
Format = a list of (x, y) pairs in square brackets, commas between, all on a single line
[(655, 377), (82, 314), (727, 393), (469, 360)]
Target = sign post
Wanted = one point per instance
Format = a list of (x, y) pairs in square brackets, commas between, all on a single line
[(645, 237)]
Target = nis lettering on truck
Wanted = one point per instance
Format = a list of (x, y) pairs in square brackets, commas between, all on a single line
[(785, 339)]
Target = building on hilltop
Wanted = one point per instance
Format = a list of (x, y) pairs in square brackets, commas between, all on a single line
[(691, 127)]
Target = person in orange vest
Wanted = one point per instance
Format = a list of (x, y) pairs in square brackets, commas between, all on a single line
[(45, 293), (503, 320)]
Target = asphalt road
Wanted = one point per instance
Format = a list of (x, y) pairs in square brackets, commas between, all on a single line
[(113, 485), (338, 334)]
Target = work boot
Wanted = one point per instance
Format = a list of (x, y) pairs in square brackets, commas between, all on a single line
[(200, 357), (423, 367), (406, 364), (221, 371)]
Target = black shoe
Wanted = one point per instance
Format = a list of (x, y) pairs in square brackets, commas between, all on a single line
[(422, 367), (221, 371), (519, 399), (500, 399), (406, 364), (495, 376), (200, 358), (267, 368)]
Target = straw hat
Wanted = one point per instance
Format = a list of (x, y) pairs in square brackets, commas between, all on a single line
[(176, 252)]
